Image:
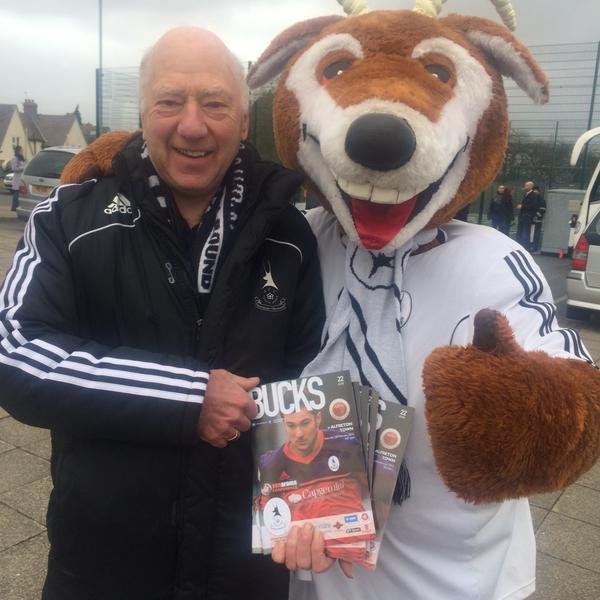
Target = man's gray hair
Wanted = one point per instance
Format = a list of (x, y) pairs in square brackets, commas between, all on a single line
[(236, 66)]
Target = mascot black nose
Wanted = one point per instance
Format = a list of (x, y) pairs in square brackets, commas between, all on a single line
[(380, 141)]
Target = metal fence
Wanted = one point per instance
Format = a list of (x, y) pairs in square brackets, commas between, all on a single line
[(574, 107), (117, 101), (541, 137)]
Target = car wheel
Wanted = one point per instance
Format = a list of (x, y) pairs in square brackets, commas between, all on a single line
[(577, 313)]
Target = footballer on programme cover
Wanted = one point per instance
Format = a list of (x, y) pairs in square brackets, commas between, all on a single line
[(307, 444)]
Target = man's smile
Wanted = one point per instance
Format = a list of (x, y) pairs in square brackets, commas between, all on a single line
[(193, 153)]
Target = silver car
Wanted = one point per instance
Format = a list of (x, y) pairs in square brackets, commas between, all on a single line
[(42, 175), (583, 280), (8, 179)]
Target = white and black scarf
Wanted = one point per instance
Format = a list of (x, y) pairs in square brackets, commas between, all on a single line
[(217, 228), (364, 330)]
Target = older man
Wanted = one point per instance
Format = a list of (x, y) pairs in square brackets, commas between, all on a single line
[(139, 311)]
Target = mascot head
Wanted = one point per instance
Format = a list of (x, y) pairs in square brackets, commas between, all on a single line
[(397, 118)]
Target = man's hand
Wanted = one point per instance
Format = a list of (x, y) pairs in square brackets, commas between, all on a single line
[(305, 549), (228, 408)]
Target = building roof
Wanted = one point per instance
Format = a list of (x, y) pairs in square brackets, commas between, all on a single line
[(55, 127), (6, 113), (32, 128), (89, 132)]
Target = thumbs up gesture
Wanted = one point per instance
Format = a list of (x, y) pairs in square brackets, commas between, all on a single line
[(506, 423)]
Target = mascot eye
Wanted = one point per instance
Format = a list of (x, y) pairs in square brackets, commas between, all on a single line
[(440, 72), (335, 69)]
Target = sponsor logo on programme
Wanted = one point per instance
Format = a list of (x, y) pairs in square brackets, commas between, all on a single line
[(351, 519), (353, 529)]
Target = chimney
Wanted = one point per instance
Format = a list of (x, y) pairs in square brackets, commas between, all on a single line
[(30, 108)]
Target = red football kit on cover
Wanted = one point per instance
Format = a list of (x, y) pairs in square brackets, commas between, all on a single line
[(324, 482)]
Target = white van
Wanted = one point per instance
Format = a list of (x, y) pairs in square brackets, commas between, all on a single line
[(583, 280), (591, 201)]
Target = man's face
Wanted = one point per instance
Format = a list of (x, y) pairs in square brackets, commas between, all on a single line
[(528, 186), (302, 430), (501, 189), (193, 118)]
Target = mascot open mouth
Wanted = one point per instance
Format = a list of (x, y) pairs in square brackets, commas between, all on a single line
[(380, 214)]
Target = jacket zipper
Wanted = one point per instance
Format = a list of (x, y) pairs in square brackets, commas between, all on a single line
[(170, 278)]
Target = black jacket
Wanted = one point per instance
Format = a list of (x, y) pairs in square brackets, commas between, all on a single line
[(533, 207), (104, 344)]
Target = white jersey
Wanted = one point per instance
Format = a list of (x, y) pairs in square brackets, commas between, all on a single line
[(436, 546)]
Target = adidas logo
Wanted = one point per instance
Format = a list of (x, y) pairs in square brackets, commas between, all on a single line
[(119, 204)]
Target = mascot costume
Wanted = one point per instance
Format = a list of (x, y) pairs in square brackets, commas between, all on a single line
[(398, 120)]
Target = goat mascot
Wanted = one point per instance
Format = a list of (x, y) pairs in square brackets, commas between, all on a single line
[(399, 120)]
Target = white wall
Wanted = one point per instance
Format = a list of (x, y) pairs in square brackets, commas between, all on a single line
[(15, 132)]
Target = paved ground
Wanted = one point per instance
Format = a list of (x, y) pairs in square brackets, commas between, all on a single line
[(567, 523)]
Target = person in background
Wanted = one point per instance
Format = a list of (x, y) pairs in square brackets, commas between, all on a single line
[(538, 217), (17, 165), (501, 209), (527, 209), (158, 297), (571, 243)]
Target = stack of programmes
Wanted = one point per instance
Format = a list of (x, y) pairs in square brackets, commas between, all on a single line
[(328, 451)]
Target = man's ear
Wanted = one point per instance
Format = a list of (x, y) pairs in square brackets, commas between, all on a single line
[(274, 59), (245, 125), (505, 52)]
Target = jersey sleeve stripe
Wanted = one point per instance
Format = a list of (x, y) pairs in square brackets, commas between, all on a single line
[(47, 361), (525, 273)]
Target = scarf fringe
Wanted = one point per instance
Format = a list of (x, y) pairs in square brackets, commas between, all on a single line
[(402, 489)]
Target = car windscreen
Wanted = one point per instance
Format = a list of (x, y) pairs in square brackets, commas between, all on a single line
[(592, 232), (595, 193), (48, 163)]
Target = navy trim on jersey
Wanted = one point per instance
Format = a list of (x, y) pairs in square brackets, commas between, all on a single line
[(524, 272)]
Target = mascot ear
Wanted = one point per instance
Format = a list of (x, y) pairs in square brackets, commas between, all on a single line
[(274, 59), (505, 52), (95, 160)]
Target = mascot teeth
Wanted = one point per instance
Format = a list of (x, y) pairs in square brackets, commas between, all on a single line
[(360, 191), (378, 195)]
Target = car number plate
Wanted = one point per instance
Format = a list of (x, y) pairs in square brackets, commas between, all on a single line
[(41, 189)]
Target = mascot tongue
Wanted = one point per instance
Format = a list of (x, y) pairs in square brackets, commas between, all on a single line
[(378, 224)]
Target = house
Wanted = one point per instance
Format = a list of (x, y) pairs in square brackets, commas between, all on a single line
[(33, 131), (13, 133)]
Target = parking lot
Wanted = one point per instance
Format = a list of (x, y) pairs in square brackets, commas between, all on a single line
[(567, 523)]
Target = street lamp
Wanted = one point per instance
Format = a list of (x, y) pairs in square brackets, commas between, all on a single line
[(99, 75)]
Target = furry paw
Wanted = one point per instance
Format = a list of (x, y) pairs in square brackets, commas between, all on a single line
[(505, 423)]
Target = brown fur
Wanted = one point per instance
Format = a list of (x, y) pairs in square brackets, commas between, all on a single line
[(96, 160), (398, 32), (505, 423)]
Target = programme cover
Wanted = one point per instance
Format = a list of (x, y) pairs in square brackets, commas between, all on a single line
[(394, 422), (307, 445)]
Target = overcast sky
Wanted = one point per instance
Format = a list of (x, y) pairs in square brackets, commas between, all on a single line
[(49, 48)]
